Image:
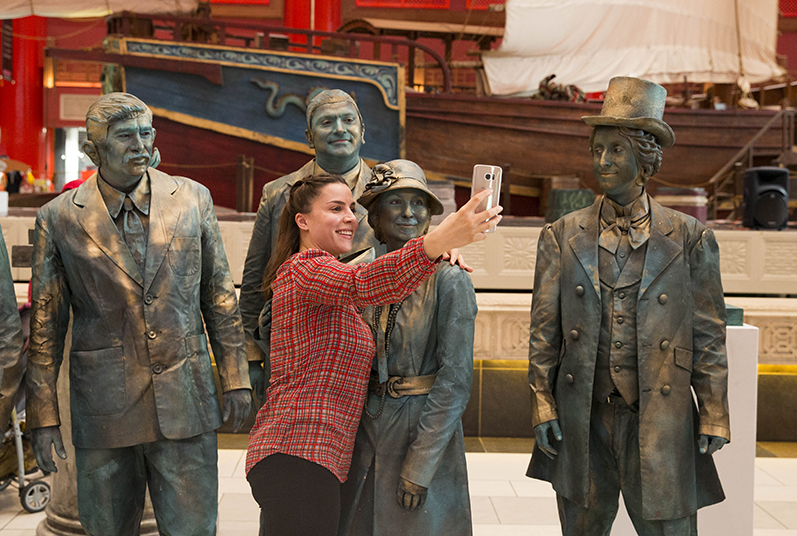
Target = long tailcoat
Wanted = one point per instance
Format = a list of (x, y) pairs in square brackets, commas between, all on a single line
[(264, 241), (681, 348), (10, 338), (139, 351)]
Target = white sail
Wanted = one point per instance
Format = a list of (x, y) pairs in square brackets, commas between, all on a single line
[(587, 42), (13, 9)]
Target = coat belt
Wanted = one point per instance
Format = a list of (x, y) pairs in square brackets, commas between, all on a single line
[(399, 386)]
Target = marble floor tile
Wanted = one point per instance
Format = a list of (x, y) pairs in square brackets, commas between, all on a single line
[(531, 487), (517, 530), (238, 507), (496, 466), (482, 511), (526, 510), (25, 520), (783, 511), (228, 461), (491, 488), (762, 520)]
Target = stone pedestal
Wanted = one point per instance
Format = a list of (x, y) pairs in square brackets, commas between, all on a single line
[(62, 512)]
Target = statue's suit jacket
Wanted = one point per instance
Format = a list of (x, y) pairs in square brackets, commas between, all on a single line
[(264, 242), (681, 347), (139, 350), (11, 339)]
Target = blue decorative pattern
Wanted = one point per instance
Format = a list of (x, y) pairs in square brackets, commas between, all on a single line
[(385, 77)]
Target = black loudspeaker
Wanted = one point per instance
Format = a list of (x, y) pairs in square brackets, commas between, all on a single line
[(766, 198)]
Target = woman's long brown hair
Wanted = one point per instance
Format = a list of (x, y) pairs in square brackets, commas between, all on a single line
[(303, 193)]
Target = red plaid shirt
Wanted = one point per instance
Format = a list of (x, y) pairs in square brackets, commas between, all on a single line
[(322, 352)]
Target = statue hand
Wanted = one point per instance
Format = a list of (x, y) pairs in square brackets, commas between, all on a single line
[(258, 379), (541, 431), (241, 401), (709, 444), (455, 257), (42, 438), (409, 495)]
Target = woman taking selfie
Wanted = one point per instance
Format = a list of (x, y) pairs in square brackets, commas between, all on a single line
[(408, 472), (321, 350)]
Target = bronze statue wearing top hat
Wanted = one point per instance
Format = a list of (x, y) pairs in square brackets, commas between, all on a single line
[(627, 323)]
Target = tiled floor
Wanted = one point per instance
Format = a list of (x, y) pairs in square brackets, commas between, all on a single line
[(504, 502)]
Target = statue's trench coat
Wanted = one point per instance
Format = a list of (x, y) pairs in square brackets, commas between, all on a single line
[(139, 352), (418, 437), (681, 347)]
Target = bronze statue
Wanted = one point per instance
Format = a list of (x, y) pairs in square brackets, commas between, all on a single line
[(408, 472), (336, 131), (627, 321), (11, 340), (138, 256)]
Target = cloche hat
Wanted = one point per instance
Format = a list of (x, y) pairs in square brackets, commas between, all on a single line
[(396, 175)]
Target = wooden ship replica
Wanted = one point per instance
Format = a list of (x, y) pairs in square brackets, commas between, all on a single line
[(229, 100)]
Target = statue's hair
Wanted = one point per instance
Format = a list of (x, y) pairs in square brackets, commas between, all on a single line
[(110, 109), (646, 147), (329, 96)]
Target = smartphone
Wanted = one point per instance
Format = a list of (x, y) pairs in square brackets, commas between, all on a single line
[(484, 177)]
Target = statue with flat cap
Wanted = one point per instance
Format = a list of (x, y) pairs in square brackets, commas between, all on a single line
[(627, 330)]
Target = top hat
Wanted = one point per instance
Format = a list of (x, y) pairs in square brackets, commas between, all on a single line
[(634, 103), (396, 175)]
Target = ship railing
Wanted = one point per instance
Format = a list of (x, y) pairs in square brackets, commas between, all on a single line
[(726, 181), (261, 37)]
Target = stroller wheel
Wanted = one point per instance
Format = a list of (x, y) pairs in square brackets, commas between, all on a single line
[(35, 496)]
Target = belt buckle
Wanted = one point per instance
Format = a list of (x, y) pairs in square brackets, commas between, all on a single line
[(390, 386)]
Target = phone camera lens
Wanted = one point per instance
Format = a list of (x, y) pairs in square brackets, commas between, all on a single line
[(488, 177)]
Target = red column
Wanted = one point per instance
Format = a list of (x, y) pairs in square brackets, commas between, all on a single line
[(22, 134), (327, 15)]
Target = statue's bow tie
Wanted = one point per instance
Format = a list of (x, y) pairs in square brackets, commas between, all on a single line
[(615, 228)]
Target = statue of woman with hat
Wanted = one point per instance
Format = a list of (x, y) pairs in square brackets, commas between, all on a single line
[(408, 472), (627, 322)]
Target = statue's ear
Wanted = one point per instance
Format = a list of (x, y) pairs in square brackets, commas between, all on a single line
[(362, 133), (90, 149), (155, 159), (309, 136)]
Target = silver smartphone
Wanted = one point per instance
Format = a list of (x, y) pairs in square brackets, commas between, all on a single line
[(484, 177)]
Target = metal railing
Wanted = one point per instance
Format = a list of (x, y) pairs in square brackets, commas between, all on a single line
[(743, 159), (223, 33)]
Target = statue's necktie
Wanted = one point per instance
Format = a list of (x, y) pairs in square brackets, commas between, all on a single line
[(134, 234)]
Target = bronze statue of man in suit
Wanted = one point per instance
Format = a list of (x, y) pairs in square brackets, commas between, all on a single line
[(335, 130), (138, 257), (11, 339), (627, 321)]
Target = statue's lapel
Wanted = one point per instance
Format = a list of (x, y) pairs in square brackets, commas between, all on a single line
[(585, 243), (96, 221), (662, 250), (164, 213)]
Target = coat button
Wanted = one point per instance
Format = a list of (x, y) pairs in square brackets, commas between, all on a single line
[(618, 344), (157, 368), (148, 299), (618, 369), (622, 295), (152, 334), (665, 390), (570, 378), (620, 320), (665, 345), (579, 290), (574, 335), (663, 299)]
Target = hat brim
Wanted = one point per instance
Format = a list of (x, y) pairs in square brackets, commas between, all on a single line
[(658, 128), (435, 206)]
